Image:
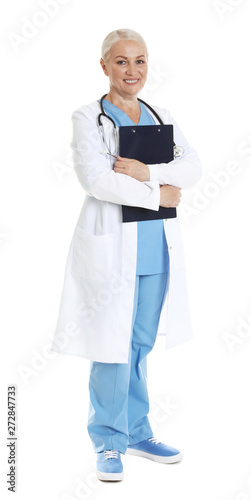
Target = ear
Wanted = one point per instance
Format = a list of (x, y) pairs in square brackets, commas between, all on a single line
[(103, 66)]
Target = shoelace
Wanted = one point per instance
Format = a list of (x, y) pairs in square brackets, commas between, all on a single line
[(154, 440), (110, 454)]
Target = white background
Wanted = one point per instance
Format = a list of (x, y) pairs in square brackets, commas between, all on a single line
[(199, 392)]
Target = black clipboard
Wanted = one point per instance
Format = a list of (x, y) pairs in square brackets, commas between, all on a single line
[(149, 144)]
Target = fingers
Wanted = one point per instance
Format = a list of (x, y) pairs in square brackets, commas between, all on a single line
[(119, 167), (119, 164), (120, 158), (123, 163), (178, 196), (120, 161)]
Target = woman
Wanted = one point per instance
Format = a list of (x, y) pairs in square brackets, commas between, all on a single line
[(121, 279)]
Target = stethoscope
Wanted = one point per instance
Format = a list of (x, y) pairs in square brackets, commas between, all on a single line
[(177, 150)]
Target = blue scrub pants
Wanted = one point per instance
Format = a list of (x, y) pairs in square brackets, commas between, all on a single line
[(119, 402)]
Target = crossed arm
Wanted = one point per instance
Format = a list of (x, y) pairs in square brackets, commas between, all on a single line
[(147, 186), (170, 196)]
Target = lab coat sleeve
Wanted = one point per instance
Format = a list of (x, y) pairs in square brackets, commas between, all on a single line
[(182, 172), (95, 173)]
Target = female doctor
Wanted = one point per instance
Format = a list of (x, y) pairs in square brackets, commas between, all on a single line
[(124, 282)]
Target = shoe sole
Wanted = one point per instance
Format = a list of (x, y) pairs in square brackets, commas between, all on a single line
[(109, 476), (156, 458)]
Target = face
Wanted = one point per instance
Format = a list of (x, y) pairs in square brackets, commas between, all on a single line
[(126, 68)]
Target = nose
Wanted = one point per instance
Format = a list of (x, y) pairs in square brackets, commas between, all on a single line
[(130, 70)]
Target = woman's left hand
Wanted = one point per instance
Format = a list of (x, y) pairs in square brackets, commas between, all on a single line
[(134, 168)]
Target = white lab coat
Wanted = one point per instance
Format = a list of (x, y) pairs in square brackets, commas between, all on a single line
[(96, 306)]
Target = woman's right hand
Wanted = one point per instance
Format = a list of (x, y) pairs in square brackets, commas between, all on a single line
[(170, 196)]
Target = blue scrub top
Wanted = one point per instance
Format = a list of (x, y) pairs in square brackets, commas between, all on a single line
[(152, 250)]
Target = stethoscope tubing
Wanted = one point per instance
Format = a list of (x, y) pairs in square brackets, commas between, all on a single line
[(109, 117), (178, 149)]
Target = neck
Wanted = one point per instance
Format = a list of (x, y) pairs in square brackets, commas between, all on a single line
[(122, 101)]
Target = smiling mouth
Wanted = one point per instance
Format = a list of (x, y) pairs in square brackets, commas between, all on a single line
[(131, 81)]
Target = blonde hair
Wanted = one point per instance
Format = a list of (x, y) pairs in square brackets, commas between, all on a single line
[(115, 36)]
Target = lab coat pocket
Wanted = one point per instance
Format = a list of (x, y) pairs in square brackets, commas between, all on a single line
[(92, 255)]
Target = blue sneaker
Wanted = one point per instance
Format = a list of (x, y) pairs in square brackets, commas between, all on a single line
[(155, 450), (109, 466)]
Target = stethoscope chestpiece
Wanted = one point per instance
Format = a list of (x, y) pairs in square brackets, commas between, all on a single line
[(178, 151)]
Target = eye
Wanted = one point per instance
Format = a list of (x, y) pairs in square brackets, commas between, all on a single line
[(140, 61), (121, 62)]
